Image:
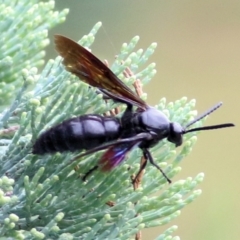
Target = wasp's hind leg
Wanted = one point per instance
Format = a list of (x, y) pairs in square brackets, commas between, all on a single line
[(128, 113), (84, 178)]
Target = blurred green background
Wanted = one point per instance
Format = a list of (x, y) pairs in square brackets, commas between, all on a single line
[(198, 56)]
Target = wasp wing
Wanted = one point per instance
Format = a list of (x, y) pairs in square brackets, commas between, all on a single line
[(115, 155), (121, 146), (91, 70)]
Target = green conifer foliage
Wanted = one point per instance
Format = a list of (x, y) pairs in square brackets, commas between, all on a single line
[(43, 197)]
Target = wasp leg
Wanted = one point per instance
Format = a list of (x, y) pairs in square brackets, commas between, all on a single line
[(128, 112), (89, 172), (148, 156)]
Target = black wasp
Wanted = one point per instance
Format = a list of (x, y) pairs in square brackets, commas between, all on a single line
[(143, 128)]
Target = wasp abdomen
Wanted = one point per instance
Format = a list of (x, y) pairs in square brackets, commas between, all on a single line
[(83, 132)]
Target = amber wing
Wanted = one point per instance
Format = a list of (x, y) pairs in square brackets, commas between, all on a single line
[(91, 70)]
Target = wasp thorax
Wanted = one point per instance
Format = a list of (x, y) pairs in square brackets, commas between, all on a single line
[(155, 121)]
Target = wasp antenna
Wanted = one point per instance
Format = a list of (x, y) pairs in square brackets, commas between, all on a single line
[(224, 125), (209, 111)]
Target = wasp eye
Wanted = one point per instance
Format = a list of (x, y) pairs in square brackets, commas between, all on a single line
[(175, 134)]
